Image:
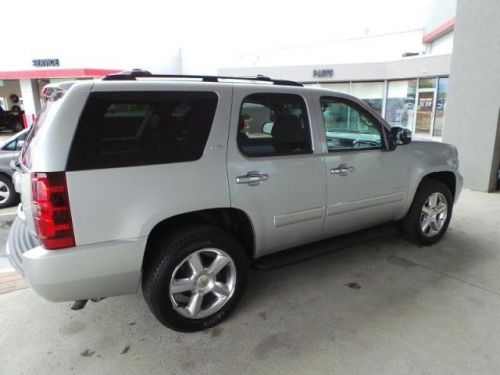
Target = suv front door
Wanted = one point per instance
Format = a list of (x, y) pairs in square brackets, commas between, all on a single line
[(275, 176), (366, 183)]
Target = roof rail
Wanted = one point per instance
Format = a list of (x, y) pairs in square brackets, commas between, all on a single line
[(139, 73)]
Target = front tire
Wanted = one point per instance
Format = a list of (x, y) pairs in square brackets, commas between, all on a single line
[(195, 278), (430, 213)]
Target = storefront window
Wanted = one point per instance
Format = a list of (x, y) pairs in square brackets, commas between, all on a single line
[(439, 117), (426, 83), (400, 104), (344, 87), (371, 93)]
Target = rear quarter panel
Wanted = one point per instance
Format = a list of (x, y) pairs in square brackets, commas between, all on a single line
[(50, 148), (126, 203)]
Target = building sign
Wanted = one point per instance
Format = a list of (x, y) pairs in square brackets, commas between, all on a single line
[(323, 73), (44, 63)]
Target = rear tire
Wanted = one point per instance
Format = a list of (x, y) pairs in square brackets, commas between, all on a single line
[(430, 213), (195, 278), (8, 195)]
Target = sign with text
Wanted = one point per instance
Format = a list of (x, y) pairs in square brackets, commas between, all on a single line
[(323, 73), (44, 63)]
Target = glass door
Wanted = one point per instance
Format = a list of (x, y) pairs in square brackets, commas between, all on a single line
[(424, 113)]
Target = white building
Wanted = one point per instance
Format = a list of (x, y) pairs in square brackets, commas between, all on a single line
[(409, 91), (402, 75)]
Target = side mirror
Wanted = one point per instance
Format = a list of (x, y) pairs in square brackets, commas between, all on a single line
[(400, 136)]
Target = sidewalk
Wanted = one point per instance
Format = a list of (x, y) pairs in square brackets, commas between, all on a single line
[(10, 279)]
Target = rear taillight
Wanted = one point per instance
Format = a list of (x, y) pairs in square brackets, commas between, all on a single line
[(51, 211)]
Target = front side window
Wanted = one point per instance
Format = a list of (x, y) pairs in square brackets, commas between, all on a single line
[(348, 127), (273, 124), (122, 129)]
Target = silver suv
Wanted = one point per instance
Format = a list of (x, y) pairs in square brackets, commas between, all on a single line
[(180, 184)]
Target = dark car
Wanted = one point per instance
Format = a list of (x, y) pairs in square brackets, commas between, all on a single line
[(11, 120)]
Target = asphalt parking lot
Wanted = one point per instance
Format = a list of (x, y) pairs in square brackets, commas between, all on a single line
[(383, 307)]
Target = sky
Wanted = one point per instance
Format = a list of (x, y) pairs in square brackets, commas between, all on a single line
[(215, 32)]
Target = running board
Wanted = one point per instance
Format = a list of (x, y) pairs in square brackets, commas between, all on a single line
[(301, 253)]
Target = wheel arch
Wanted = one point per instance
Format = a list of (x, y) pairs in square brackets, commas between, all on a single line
[(446, 177), (232, 220)]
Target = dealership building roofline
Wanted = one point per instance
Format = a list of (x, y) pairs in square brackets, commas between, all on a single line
[(409, 67)]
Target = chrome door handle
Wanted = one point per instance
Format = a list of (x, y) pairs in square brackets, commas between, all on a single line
[(342, 170), (252, 178)]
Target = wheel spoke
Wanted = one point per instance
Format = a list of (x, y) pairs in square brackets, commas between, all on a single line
[(433, 200), (434, 226), (195, 263), (441, 208), (182, 285), (426, 210), (221, 289), (194, 305), (218, 264), (425, 224)]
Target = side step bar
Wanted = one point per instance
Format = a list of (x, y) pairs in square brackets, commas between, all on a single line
[(305, 252)]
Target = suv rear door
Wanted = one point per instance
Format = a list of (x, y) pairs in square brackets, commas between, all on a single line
[(275, 175)]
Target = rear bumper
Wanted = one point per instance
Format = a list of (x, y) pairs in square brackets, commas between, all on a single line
[(84, 272), (19, 241)]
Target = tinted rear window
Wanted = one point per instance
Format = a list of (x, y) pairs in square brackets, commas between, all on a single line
[(122, 129)]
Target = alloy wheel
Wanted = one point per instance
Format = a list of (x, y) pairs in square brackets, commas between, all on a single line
[(4, 192), (202, 283), (434, 214)]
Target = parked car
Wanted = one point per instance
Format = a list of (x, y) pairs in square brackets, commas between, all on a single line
[(139, 179), (9, 153)]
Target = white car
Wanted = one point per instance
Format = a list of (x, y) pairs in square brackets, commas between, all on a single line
[(140, 179)]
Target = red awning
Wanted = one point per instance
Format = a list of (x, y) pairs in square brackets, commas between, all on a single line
[(57, 73), (440, 31)]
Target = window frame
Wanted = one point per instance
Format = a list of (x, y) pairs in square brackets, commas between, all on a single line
[(367, 112), (306, 114)]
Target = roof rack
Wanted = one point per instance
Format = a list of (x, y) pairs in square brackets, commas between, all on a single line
[(139, 73)]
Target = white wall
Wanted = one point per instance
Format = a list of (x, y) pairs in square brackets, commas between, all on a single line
[(119, 55), (364, 48), (473, 110), (442, 45), (10, 87)]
